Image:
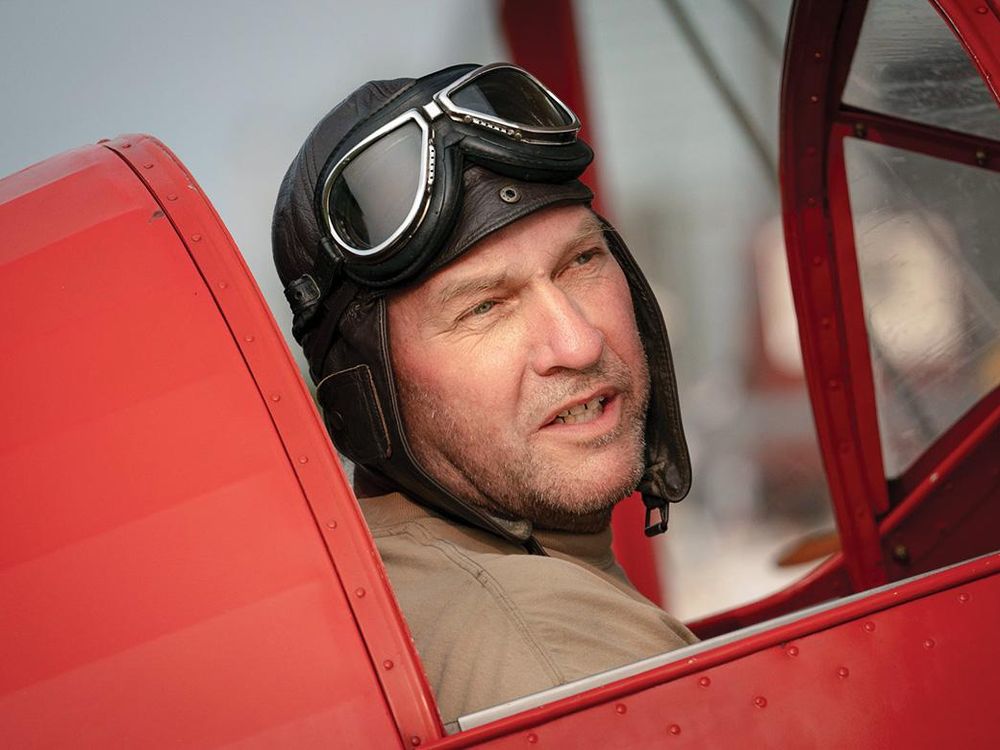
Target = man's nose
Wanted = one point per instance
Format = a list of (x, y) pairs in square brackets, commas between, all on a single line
[(565, 338)]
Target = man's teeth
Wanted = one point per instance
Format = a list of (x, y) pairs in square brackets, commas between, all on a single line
[(582, 412)]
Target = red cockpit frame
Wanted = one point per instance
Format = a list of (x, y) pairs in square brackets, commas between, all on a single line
[(943, 508)]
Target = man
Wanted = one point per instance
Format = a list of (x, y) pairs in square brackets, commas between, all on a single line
[(489, 355)]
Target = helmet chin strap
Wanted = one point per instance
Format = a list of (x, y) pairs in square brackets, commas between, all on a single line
[(660, 486), (662, 507)]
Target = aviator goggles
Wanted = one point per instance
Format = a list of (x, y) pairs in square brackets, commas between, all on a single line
[(388, 202)]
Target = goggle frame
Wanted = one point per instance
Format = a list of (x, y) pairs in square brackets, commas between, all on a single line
[(441, 105)]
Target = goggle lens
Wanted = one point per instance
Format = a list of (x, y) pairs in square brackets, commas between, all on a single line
[(511, 95), (373, 195)]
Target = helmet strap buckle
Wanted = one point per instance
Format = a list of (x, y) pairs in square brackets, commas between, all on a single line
[(302, 293), (655, 527)]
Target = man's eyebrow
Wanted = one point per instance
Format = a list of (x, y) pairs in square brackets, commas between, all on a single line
[(588, 230), (469, 287)]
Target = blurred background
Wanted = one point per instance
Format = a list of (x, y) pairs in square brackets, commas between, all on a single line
[(683, 114)]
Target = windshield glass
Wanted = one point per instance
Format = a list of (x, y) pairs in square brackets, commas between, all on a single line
[(926, 231), (909, 64)]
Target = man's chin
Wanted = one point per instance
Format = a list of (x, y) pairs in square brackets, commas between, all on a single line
[(555, 519), (558, 487), (584, 501), (601, 472), (578, 502)]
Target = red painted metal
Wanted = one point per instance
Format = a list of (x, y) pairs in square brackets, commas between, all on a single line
[(963, 148), (317, 468), (976, 23), (828, 326), (168, 488), (954, 511), (859, 405), (542, 38), (898, 667)]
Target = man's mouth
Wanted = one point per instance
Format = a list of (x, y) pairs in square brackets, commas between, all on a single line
[(584, 412)]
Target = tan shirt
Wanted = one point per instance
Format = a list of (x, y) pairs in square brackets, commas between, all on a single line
[(492, 622)]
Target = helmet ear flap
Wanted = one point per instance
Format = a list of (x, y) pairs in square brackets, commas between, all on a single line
[(353, 414), (667, 478)]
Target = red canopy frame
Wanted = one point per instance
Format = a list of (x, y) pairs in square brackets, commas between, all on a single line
[(887, 529), (943, 508)]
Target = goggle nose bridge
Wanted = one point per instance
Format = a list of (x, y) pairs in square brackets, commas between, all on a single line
[(432, 110)]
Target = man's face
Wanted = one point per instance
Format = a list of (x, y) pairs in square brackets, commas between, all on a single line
[(522, 380)]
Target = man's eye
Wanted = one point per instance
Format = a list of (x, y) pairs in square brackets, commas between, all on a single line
[(584, 257), (483, 311), (483, 307)]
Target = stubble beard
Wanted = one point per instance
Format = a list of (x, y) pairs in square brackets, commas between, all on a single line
[(511, 480)]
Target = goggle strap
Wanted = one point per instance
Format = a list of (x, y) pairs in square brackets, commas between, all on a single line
[(306, 292), (302, 295), (318, 346), (328, 266)]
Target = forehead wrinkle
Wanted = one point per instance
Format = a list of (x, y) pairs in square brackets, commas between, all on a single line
[(587, 230)]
